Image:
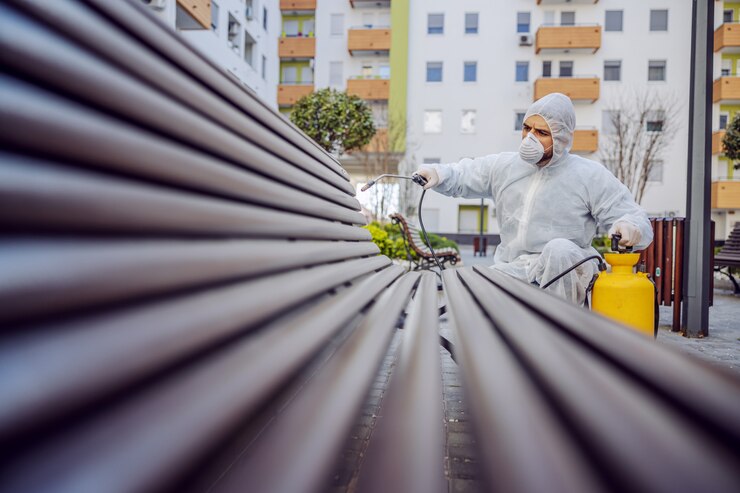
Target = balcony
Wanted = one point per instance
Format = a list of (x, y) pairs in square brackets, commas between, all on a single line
[(290, 93), (199, 10), (727, 38), (371, 89), (726, 90), (370, 3), (568, 39), (568, 2), (585, 141), (578, 89), (726, 195), (297, 5), (297, 48), (717, 146), (365, 41)]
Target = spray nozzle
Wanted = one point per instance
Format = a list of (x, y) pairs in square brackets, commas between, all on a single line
[(416, 178)]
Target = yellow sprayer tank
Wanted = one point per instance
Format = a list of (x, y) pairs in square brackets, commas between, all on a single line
[(624, 295)]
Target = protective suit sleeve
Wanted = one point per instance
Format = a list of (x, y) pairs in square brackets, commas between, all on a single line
[(611, 201), (468, 178)]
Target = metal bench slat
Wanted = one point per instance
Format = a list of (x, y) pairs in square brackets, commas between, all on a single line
[(407, 450), (52, 277), (100, 354), (524, 444), (699, 389), (52, 197), (292, 456), (120, 147), (636, 439), (106, 39), (176, 437)]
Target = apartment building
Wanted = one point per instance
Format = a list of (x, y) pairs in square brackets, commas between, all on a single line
[(238, 35), (726, 99)]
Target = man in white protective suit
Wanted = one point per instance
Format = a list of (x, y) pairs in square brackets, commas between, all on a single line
[(548, 201)]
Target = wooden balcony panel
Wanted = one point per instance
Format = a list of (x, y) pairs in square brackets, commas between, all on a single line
[(374, 40), (289, 94), (577, 89), (568, 2), (726, 195), (561, 39), (727, 36), (297, 5), (585, 141), (297, 47), (726, 90), (717, 146), (375, 89), (379, 142), (200, 10), (370, 3)]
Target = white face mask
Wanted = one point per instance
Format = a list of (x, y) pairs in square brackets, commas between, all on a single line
[(531, 150)]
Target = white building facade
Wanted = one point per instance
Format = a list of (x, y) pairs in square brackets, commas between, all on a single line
[(237, 35), (477, 65)]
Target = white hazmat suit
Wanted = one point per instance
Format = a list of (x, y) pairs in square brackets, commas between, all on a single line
[(547, 214)]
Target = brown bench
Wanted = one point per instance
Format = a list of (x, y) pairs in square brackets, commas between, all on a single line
[(414, 241), (729, 256)]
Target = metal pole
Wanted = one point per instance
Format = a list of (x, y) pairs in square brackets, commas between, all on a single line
[(695, 321), (482, 250)]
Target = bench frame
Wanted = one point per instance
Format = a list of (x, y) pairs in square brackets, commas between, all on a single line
[(426, 259)]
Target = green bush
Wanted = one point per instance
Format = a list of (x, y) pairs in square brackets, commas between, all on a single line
[(602, 244), (391, 243)]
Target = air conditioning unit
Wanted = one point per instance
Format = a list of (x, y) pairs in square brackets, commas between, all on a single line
[(249, 13), (525, 39), (155, 4)]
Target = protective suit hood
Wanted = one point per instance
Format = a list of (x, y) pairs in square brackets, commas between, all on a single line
[(557, 110)]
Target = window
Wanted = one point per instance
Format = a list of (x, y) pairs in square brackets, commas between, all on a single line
[(519, 120), (306, 75), (308, 28), (249, 50), (655, 121), (612, 70), (264, 18), (727, 15), (522, 71), (522, 22), (567, 18), (658, 20), (467, 124), (234, 33), (471, 23), (335, 74), (432, 160), (289, 75), (264, 67), (290, 28), (613, 21), (549, 18), (608, 122), (723, 119), (337, 24), (656, 70), (214, 16), (470, 71), (726, 66), (566, 69), (434, 71), (368, 20), (433, 122), (435, 24), (655, 173), (546, 68), (384, 71)]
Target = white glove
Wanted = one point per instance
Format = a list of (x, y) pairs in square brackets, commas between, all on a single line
[(430, 175), (630, 233)]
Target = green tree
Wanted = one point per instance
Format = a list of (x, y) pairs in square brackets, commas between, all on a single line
[(731, 141), (337, 121)]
